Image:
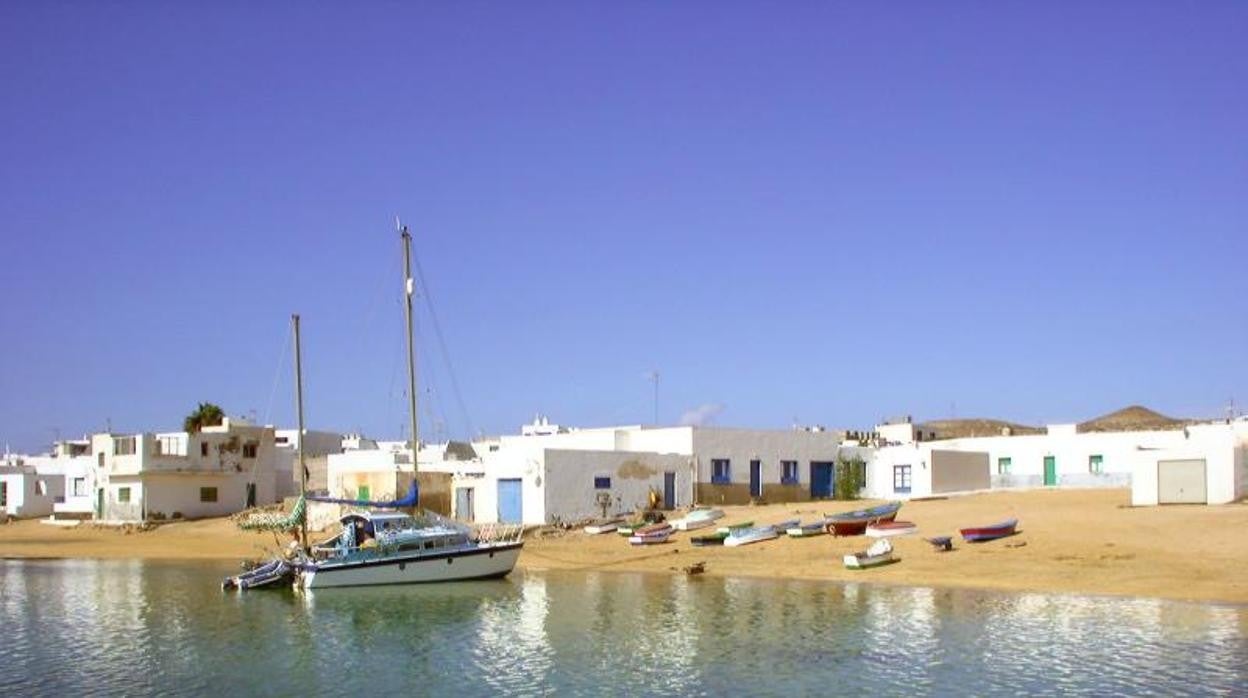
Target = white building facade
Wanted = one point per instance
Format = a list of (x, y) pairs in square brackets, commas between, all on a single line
[(174, 475)]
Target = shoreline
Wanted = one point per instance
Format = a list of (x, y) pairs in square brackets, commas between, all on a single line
[(1071, 542)]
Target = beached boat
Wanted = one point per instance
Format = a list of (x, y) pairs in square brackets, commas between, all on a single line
[(807, 530), (603, 526), (782, 526), (734, 527), (979, 534), (653, 529), (886, 529), (854, 523), (708, 539), (746, 536), (880, 553), (651, 538), (698, 518)]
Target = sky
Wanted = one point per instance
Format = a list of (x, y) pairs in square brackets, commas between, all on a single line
[(814, 212)]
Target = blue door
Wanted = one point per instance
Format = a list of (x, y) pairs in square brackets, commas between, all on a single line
[(509, 507), (821, 479), (669, 491), (756, 478)]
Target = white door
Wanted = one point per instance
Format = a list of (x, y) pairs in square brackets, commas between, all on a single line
[(1181, 482)]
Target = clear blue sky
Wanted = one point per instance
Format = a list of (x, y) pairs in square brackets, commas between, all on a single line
[(824, 211)]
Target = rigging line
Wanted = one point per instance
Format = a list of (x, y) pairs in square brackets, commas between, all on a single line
[(383, 283), (446, 356), (281, 363), (394, 370), (432, 399)]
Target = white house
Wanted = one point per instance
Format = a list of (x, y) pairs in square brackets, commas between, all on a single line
[(217, 471), (549, 473), (1159, 464), (1209, 466), (65, 478), (317, 447), (24, 493)]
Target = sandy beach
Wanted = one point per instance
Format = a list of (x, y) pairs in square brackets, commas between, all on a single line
[(1070, 541)]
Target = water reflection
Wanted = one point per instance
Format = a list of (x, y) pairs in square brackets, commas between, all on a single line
[(148, 629)]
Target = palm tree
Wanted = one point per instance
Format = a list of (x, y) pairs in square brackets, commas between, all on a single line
[(206, 415)]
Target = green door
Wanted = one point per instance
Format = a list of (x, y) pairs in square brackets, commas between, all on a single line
[(1050, 470)]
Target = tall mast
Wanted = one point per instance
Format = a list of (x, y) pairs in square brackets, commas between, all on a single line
[(303, 470), (408, 290)]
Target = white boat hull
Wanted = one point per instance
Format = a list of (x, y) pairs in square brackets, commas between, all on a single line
[(594, 530), (875, 531), (691, 524), (482, 562), (862, 562), (752, 536)]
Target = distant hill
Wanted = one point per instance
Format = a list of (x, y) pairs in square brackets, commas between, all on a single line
[(961, 428), (1133, 418)]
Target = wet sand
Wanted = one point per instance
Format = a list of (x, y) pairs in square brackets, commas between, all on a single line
[(1070, 541)]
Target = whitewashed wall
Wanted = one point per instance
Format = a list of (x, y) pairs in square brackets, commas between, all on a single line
[(741, 446), (23, 499), (569, 481), (1220, 446)]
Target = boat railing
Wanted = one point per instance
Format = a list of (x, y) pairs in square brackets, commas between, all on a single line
[(499, 533)]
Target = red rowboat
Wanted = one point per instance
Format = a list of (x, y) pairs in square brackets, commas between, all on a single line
[(983, 533)]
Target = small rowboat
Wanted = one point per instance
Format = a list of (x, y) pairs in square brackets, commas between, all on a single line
[(807, 530), (982, 533), (653, 529), (854, 523), (650, 538), (698, 518), (709, 539), (885, 529), (745, 536), (603, 526), (785, 525), (271, 573), (880, 553), (734, 527)]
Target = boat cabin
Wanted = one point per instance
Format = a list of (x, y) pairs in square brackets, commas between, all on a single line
[(387, 533)]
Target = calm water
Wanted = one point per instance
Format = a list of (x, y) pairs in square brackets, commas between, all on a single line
[(134, 628)]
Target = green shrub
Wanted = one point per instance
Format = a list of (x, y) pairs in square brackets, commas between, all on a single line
[(851, 477)]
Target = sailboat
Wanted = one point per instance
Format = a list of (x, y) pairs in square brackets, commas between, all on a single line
[(393, 547)]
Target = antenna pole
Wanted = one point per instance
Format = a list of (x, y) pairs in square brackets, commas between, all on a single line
[(303, 469), (409, 287)]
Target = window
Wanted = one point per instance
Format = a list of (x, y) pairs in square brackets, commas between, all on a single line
[(249, 449), (4, 493), (1003, 466), (41, 488), (362, 493), (602, 483), (901, 478), (1095, 464), (123, 494), (788, 472), (207, 494), (282, 440), (79, 486), (123, 446), (203, 448), (721, 471)]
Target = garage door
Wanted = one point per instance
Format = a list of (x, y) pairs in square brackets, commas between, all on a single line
[(1181, 482)]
